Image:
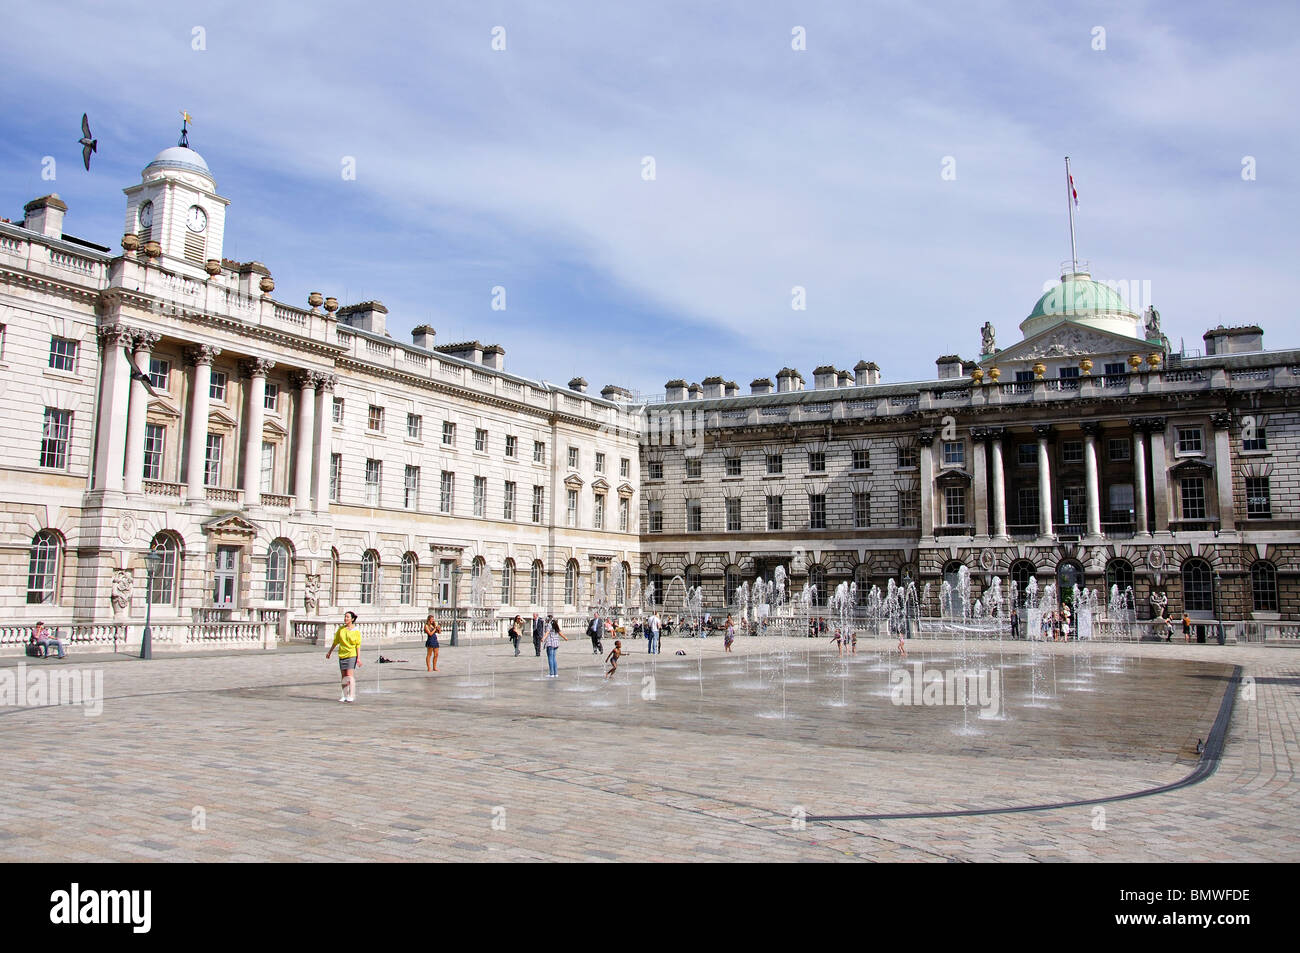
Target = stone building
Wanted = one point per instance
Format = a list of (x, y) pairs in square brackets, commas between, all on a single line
[(285, 462)]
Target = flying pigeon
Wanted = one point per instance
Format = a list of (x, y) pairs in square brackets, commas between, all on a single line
[(139, 375), (87, 144)]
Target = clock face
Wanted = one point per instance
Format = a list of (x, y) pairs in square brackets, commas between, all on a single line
[(146, 215), (197, 220)]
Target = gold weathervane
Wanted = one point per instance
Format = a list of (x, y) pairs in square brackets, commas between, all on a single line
[(186, 119)]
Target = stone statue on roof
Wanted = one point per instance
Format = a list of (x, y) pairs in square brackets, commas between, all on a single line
[(1153, 323), (988, 338)]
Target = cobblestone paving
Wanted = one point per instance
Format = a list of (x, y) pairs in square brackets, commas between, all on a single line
[(250, 756)]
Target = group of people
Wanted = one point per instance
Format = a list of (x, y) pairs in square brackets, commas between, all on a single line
[(1054, 626)]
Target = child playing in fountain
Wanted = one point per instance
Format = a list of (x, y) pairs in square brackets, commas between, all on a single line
[(838, 641), (902, 649), (615, 654), (852, 640), (730, 634)]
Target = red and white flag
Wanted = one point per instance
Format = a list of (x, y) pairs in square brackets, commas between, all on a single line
[(1073, 192)]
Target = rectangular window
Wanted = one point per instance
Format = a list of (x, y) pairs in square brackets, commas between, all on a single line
[(153, 451), (1259, 501), (571, 508), (1027, 454), (336, 476), (774, 463), (212, 460), (55, 436), (656, 514), (539, 500), (1115, 369), (694, 468), (954, 453), (271, 397), (1074, 505), (411, 488), (622, 515), (1121, 503), (448, 434), (1189, 440), (655, 470), (512, 447), (63, 354), (159, 370), (1193, 498), (694, 516), (954, 506), (861, 510), (1027, 505), (909, 456), (539, 452), (480, 496), (774, 512), (1253, 436), (624, 468), (217, 386), (1072, 451), (508, 505), (573, 458), (1119, 448), (817, 511), (600, 463), (268, 467), (446, 491), (861, 459), (375, 419), (732, 466), (598, 511), (338, 410), (733, 514), (816, 461), (480, 440), (414, 426), (909, 508), (374, 473)]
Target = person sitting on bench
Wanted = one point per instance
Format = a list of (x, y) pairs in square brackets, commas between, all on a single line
[(42, 639)]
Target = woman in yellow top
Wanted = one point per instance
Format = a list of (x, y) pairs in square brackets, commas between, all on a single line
[(348, 640)]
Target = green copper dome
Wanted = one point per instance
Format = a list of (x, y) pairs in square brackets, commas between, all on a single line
[(1077, 296)]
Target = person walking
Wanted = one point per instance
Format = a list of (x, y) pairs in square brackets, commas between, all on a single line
[(595, 629), (552, 643), (347, 639), (431, 632), (653, 625), (516, 633), (1187, 627), (1015, 622), (539, 630)]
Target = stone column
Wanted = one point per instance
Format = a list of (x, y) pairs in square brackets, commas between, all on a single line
[(1159, 473), (324, 424), (1043, 432), (1140, 479), (980, 484), (302, 483), (256, 371), (200, 403), (1223, 470), (114, 398), (999, 485), (926, 440), (1092, 476), (133, 481)]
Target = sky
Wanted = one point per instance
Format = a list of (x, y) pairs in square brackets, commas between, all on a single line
[(650, 183)]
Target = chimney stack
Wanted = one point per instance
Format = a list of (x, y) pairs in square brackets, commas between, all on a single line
[(45, 215), (423, 336)]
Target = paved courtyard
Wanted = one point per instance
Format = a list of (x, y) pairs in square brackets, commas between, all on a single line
[(250, 756)]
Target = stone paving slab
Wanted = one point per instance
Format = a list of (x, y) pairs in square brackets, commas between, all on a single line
[(489, 760)]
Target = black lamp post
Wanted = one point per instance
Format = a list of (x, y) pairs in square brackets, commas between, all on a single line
[(907, 615), (152, 562), (456, 573)]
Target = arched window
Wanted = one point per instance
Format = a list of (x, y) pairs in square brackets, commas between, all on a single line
[(1119, 574), (277, 572), (817, 581), (1263, 587), (862, 579), (508, 583), (654, 577), (624, 592), (1198, 586), (162, 590), (571, 583), (477, 581), (692, 577), (535, 583), (369, 577), (952, 576), (43, 568), (1068, 575), (1022, 571), (334, 576), (731, 584), (407, 589)]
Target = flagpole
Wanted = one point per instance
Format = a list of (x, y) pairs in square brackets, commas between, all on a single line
[(1069, 205)]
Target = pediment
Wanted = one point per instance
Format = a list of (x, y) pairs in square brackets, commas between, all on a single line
[(164, 407), (625, 490), (223, 418), (230, 525), (573, 481), (274, 428), (1191, 467), (953, 478), (1068, 339), (600, 484)]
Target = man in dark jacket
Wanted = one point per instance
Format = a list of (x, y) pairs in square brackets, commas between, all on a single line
[(539, 628)]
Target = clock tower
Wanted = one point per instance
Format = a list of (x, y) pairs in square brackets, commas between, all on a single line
[(176, 204)]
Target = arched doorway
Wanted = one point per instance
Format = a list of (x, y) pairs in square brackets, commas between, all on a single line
[(1068, 575)]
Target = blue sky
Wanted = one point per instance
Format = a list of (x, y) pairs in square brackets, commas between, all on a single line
[(774, 168)]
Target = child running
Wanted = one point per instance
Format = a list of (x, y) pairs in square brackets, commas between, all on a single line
[(730, 634), (612, 658)]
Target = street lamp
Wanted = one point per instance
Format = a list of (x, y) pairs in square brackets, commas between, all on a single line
[(907, 615), (456, 573), (152, 563)]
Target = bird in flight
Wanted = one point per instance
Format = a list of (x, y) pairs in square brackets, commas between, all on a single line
[(137, 374), (88, 145)]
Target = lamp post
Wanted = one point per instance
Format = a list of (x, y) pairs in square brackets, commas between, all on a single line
[(907, 615), (152, 562), (456, 573), (1218, 608)]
